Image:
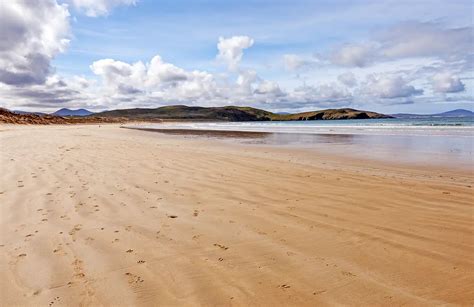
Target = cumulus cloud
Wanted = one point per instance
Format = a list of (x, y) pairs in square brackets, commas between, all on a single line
[(153, 76), (31, 34), (348, 79), (270, 88), (160, 71), (115, 73), (389, 87), (324, 95), (54, 93), (159, 83), (155, 82), (95, 8), (447, 83), (231, 49), (245, 81)]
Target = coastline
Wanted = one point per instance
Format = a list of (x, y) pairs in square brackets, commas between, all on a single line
[(440, 151), (104, 216)]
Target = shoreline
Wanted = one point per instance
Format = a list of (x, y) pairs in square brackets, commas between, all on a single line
[(344, 145), (110, 216)]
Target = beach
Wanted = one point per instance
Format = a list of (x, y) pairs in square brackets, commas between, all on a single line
[(104, 216)]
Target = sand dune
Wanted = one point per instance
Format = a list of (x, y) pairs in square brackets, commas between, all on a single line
[(108, 216)]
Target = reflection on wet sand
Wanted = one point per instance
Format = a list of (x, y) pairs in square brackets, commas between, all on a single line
[(434, 150), (209, 133)]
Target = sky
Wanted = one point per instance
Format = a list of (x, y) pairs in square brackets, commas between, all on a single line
[(285, 56)]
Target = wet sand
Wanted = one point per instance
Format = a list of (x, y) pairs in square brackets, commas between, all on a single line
[(107, 216), (453, 151)]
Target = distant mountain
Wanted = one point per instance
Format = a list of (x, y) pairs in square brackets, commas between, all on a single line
[(69, 112), (456, 113), (233, 113), (453, 113)]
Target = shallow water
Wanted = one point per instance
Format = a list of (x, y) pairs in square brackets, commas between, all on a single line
[(447, 142), (463, 126)]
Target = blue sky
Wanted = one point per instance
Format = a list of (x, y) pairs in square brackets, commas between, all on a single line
[(388, 56)]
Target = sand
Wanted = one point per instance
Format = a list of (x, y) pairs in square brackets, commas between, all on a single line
[(107, 216)]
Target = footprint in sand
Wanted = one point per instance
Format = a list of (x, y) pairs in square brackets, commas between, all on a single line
[(221, 246), (133, 279), (73, 231), (54, 300), (78, 270), (345, 273)]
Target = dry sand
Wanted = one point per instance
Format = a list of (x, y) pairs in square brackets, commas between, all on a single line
[(107, 216)]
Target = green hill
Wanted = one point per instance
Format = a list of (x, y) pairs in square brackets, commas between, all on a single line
[(180, 112), (231, 113)]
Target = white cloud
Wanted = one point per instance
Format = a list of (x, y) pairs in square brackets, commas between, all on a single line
[(389, 87), (155, 82), (348, 79), (269, 88), (160, 71), (95, 8), (447, 83), (414, 39), (231, 49), (407, 40), (325, 95), (354, 55), (161, 83), (53, 94), (31, 34), (245, 81), (119, 76), (295, 62)]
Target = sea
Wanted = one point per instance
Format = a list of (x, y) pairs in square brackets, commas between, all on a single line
[(443, 141)]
